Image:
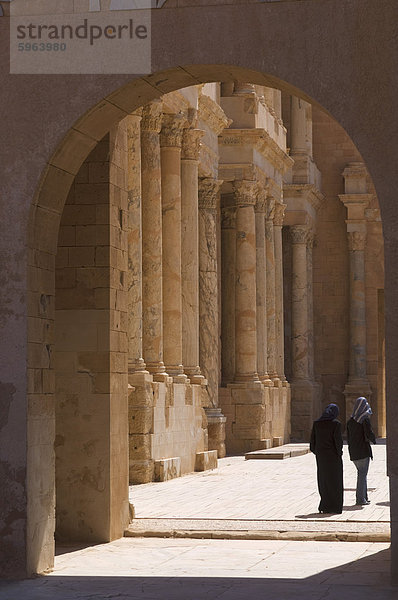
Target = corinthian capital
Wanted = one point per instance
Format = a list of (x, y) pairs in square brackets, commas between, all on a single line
[(279, 214), (261, 200), (356, 240), (208, 191), (245, 192), (172, 130), (191, 143), (299, 234), (152, 116)]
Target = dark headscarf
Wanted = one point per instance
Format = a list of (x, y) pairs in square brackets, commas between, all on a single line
[(361, 410), (331, 412)]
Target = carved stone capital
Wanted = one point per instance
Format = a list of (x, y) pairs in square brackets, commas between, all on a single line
[(172, 130), (152, 116), (299, 234), (191, 143), (261, 200), (212, 114), (208, 191), (228, 217), (245, 192), (279, 214), (356, 240), (310, 239)]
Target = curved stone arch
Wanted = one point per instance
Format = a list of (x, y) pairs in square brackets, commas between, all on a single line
[(83, 137)]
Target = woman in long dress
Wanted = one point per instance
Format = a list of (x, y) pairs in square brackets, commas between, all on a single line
[(327, 445)]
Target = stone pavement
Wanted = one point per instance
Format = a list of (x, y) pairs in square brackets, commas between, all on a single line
[(162, 569), (262, 496), (239, 496)]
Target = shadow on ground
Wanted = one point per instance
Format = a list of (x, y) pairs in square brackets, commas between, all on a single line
[(364, 579)]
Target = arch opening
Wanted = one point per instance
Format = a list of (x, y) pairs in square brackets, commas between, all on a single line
[(94, 156)]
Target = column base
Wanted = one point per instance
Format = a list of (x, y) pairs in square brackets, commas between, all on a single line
[(353, 390), (157, 370), (216, 430), (266, 380), (304, 405)]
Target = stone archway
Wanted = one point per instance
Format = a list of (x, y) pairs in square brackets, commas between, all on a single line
[(196, 38)]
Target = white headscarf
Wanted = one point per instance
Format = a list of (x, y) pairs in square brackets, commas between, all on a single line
[(361, 410)]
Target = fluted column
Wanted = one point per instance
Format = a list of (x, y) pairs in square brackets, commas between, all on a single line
[(134, 274), (245, 282), (261, 289), (270, 262), (170, 144), (190, 253), (208, 285), (152, 332), (279, 329)]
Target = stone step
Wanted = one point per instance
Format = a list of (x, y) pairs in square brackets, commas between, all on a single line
[(279, 453)]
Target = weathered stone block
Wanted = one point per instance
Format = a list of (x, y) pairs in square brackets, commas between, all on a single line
[(206, 460), (141, 471), (277, 441), (139, 446), (167, 468)]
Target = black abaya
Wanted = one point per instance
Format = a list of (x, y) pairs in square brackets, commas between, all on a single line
[(327, 445)]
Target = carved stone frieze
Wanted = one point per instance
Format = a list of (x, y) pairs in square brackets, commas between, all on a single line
[(172, 130), (356, 240), (152, 116), (208, 191), (213, 115), (191, 143)]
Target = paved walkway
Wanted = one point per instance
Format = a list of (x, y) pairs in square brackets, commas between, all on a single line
[(158, 569), (241, 492), (261, 494)]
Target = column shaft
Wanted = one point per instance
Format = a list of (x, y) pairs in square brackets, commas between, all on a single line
[(190, 253), (228, 258), (357, 369), (279, 329), (170, 141), (299, 303), (270, 261), (134, 274), (208, 286), (245, 283), (261, 290), (152, 240)]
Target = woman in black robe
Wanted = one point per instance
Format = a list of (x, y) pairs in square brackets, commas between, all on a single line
[(327, 445)]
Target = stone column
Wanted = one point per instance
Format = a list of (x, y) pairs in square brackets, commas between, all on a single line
[(228, 257), (357, 384), (134, 274), (261, 289), (208, 285), (279, 329), (245, 283), (270, 262), (170, 144), (190, 253), (356, 201), (152, 240), (302, 389), (310, 245)]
